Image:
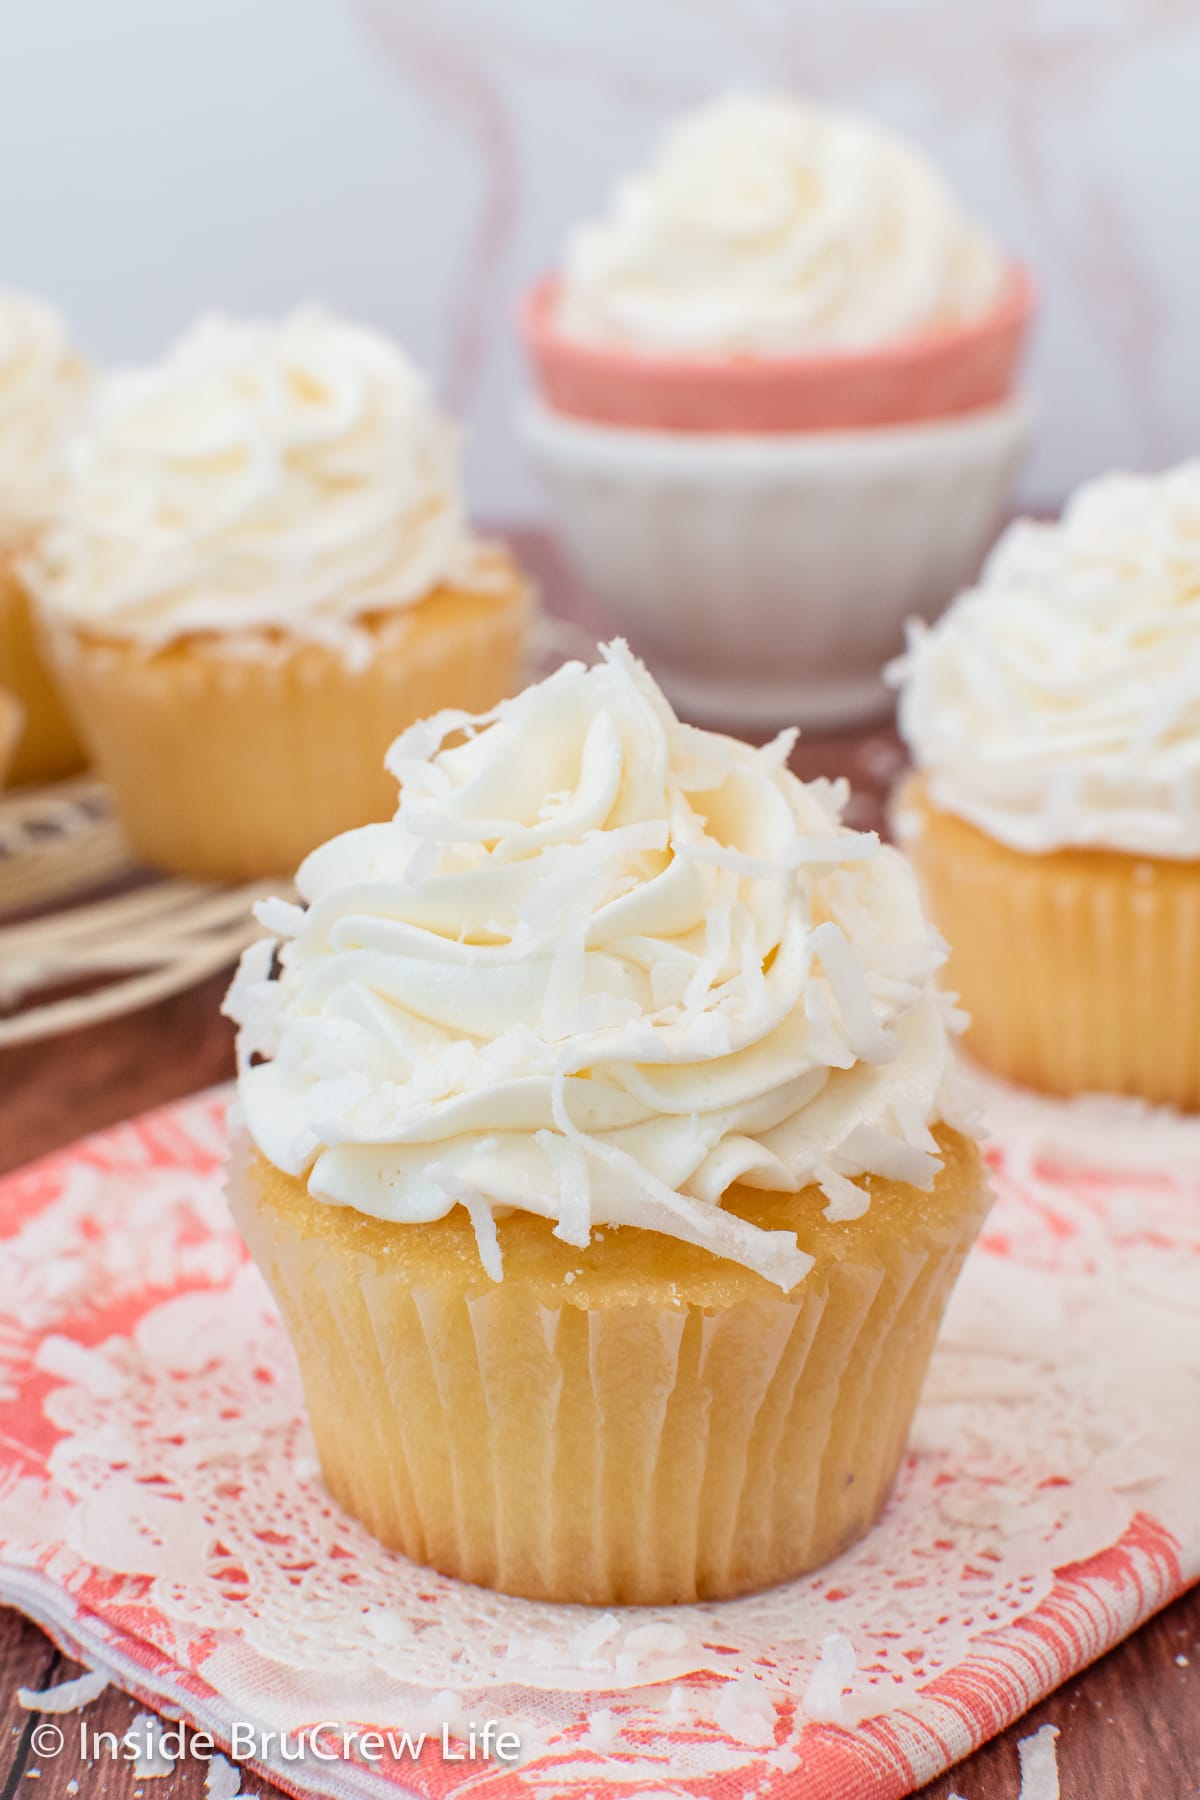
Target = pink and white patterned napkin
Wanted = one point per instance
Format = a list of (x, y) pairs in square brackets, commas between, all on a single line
[(162, 1514)]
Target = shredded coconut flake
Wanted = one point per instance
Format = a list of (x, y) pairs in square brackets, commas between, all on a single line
[(746, 1711), (283, 917), (1039, 1764), (223, 1779), (602, 1733), (836, 1667), (846, 1201), (66, 1696), (153, 1763), (388, 1625), (484, 1221), (591, 1638), (867, 1037)]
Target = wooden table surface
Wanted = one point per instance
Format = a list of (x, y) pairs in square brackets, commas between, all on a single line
[(1130, 1726)]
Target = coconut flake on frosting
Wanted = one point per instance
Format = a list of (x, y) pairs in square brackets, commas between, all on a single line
[(599, 966), (290, 474), (1057, 704), (767, 224), (42, 383)]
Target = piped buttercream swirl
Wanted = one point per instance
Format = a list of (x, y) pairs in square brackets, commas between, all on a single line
[(42, 383), (1057, 704), (600, 966), (290, 474), (765, 224)]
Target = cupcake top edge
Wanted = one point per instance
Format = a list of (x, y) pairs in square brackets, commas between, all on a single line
[(600, 966), (766, 224), (43, 380), (291, 474), (1056, 705)]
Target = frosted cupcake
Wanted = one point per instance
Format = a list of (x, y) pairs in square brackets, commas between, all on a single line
[(765, 227), (777, 403), (598, 1152), (259, 573), (42, 382), (1054, 718)]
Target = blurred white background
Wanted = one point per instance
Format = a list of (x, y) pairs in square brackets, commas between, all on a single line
[(417, 161)]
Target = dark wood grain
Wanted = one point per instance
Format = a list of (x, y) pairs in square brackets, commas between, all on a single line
[(1130, 1727), (58, 1090), (103, 1776), (27, 1659)]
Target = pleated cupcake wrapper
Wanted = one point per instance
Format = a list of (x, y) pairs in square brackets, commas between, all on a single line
[(46, 747), (1079, 973), (619, 1454), (234, 766)]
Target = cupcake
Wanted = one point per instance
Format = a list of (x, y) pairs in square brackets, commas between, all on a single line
[(42, 382), (259, 573), (1054, 719), (598, 1154), (776, 405), (12, 724)]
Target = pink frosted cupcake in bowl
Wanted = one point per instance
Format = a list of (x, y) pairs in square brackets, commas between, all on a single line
[(777, 404)]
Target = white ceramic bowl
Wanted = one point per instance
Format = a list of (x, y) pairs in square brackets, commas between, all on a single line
[(766, 580)]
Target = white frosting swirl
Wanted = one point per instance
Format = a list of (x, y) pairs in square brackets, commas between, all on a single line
[(600, 966), (290, 474), (42, 382), (1058, 703), (767, 225)]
